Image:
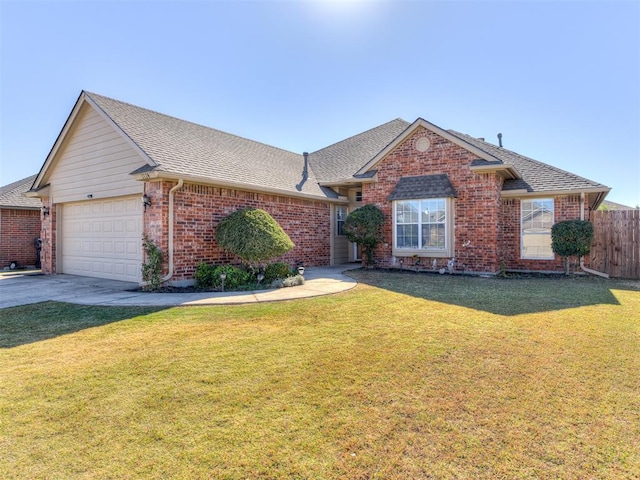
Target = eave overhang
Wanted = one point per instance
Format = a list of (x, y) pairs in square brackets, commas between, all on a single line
[(156, 176), (505, 170), (41, 192), (596, 195)]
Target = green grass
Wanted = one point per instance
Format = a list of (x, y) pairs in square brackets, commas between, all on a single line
[(405, 376)]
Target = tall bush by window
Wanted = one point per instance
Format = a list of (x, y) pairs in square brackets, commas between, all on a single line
[(571, 238), (364, 227)]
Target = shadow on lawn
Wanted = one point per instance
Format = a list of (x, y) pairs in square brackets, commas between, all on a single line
[(513, 295), (42, 321)]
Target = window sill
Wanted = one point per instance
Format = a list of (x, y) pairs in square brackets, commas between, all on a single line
[(410, 252)]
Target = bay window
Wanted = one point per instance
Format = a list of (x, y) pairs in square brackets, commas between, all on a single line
[(423, 227)]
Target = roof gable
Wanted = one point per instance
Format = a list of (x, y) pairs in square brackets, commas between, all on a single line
[(420, 122), (84, 101), (338, 162)]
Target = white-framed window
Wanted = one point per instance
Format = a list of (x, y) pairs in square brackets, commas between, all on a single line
[(536, 220), (341, 215), (423, 226)]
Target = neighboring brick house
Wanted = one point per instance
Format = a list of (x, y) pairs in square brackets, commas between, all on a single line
[(19, 225), (118, 171)]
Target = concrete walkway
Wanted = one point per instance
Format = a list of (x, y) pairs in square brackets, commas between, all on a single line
[(23, 288)]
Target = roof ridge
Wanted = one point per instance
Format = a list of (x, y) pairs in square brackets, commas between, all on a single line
[(199, 125), (398, 119)]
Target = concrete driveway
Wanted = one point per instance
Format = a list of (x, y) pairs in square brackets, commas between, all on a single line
[(23, 288)]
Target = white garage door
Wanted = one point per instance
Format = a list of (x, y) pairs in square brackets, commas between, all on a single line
[(103, 238)]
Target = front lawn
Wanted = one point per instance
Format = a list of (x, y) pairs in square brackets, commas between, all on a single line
[(405, 376)]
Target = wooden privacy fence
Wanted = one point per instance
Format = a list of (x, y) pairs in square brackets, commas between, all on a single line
[(616, 243)]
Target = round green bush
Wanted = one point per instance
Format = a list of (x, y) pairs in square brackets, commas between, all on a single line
[(253, 235)]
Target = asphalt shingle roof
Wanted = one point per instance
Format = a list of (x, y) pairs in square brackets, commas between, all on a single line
[(341, 160), (536, 176), (424, 186), (185, 148), (11, 196)]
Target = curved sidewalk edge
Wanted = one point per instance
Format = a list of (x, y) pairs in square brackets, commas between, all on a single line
[(27, 289)]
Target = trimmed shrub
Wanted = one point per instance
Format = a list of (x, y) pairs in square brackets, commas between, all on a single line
[(571, 238), (208, 276), (364, 227), (204, 275), (278, 270), (253, 235), (236, 277)]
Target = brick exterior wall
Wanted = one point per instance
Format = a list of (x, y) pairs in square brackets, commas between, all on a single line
[(487, 227), (477, 206), (18, 229), (48, 235), (565, 208), (199, 208)]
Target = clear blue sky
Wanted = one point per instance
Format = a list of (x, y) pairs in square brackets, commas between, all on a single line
[(560, 80)]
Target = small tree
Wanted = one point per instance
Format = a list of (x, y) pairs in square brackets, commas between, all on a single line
[(253, 235), (364, 227), (571, 238)]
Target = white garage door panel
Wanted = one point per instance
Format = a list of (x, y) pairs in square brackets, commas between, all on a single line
[(103, 238)]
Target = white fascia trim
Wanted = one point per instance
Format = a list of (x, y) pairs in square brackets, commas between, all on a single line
[(420, 122)]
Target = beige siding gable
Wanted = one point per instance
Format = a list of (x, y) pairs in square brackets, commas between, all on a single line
[(94, 159)]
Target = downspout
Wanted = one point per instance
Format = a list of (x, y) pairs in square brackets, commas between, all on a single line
[(171, 209), (585, 269)]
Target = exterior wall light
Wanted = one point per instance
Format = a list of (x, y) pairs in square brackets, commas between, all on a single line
[(45, 210), (146, 201)]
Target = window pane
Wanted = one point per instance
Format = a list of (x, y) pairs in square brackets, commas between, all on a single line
[(536, 246), (407, 236), (433, 211), (537, 215), (536, 223), (433, 236), (407, 212)]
